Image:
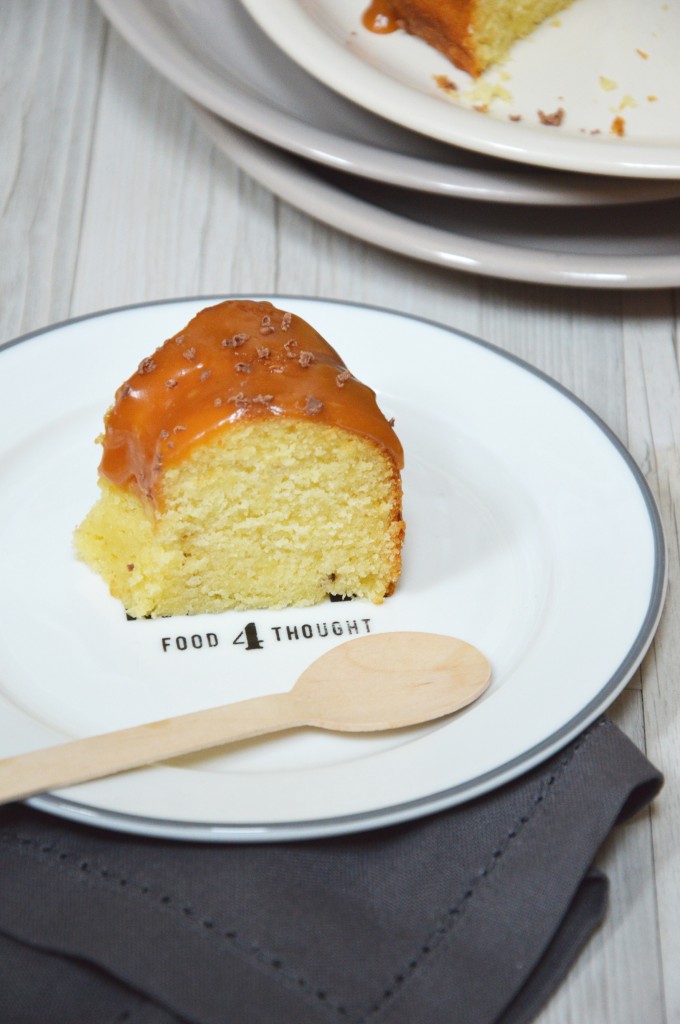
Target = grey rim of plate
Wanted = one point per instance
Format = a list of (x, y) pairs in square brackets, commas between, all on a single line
[(398, 813), (387, 217), (291, 109)]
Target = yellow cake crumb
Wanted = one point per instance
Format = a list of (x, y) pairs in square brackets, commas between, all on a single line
[(267, 515)]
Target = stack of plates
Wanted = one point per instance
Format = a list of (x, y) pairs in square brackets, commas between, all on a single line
[(380, 137)]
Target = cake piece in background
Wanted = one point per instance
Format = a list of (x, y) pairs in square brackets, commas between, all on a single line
[(244, 466), (473, 34)]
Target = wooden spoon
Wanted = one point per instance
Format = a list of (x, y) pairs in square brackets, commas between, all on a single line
[(375, 682)]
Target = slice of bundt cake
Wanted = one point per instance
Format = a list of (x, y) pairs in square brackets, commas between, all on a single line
[(244, 466), (473, 34)]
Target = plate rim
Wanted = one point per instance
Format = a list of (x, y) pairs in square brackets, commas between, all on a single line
[(303, 187), (443, 799)]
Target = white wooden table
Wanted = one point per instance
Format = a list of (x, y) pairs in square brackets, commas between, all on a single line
[(110, 195)]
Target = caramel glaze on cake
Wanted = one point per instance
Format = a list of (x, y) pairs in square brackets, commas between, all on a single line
[(472, 34), (235, 362), (446, 27)]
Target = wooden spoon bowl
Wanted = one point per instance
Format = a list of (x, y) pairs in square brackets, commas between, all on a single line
[(390, 680)]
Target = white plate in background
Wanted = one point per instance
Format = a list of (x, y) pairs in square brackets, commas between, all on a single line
[(216, 54), (597, 61), (530, 533)]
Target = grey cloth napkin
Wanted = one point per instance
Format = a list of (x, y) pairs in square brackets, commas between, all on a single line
[(471, 915)]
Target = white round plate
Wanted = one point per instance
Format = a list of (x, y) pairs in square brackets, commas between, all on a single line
[(592, 248), (530, 533), (216, 54), (599, 60)]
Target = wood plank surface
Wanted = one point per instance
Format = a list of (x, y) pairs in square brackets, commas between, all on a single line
[(110, 194)]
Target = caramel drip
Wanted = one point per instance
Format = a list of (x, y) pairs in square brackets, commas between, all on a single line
[(234, 362), (379, 17)]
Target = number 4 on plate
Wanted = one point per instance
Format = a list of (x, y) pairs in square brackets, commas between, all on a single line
[(249, 637)]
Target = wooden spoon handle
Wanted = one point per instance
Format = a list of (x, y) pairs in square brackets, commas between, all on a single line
[(81, 760)]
